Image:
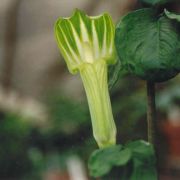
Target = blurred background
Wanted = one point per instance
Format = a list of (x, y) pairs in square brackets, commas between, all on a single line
[(45, 128)]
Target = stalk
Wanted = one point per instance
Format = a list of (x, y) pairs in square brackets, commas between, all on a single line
[(94, 77), (151, 112), (151, 119)]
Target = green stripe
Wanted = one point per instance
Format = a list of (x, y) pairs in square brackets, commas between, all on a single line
[(87, 23), (110, 30), (99, 26), (61, 40), (66, 28), (76, 22)]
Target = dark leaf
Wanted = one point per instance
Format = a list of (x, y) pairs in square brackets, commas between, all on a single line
[(148, 45)]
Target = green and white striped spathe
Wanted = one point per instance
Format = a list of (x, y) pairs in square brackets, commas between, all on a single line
[(83, 39), (87, 45)]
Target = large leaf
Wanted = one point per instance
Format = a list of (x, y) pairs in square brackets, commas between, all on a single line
[(148, 45), (155, 2)]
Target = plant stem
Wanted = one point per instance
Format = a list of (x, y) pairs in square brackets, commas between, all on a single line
[(94, 77), (151, 112), (151, 119)]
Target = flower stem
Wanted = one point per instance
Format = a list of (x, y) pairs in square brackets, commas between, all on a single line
[(94, 77), (151, 119)]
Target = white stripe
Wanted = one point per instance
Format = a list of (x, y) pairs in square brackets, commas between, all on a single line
[(95, 41), (84, 31), (77, 40)]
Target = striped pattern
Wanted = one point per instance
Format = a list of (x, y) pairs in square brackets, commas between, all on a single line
[(83, 39)]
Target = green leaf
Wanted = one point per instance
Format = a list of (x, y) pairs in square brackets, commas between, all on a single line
[(148, 45), (102, 161), (171, 15), (155, 2), (144, 161), (141, 150)]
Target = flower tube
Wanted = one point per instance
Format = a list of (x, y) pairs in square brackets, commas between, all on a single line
[(87, 45)]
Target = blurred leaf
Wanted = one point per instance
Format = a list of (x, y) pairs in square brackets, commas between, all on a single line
[(155, 2), (143, 172), (141, 150), (14, 138), (148, 45), (167, 98), (103, 160), (67, 116), (173, 16), (144, 161)]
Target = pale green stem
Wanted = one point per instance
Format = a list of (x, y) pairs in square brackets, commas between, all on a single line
[(94, 77)]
